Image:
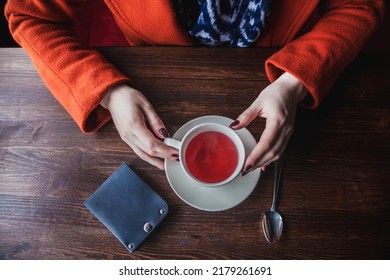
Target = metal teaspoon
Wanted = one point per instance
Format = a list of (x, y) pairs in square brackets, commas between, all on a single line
[(272, 221)]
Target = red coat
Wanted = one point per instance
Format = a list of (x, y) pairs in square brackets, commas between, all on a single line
[(78, 76)]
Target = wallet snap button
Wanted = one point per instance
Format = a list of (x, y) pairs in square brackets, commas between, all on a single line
[(148, 227)]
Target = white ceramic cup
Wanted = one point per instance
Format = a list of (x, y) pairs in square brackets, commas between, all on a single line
[(208, 127)]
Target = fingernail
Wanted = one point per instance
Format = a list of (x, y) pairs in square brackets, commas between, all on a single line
[(175, 155), (264, 168), (177, 160), (236, 122), (246, 171), (164, 132)]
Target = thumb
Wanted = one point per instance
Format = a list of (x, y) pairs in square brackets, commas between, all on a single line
[(246, 117), (155, 123)]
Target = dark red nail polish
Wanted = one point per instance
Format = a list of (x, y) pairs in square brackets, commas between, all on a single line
[(175, 155), (236, 122), (246, 171), (164, 132)]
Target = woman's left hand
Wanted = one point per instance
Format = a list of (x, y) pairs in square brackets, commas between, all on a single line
[(277, 103)]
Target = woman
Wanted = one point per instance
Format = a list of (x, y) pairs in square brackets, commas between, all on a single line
[(318, 39)]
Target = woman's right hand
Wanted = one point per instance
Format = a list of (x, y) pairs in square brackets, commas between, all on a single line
[(130, 111)]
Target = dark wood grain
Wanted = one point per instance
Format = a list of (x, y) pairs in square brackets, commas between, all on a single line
[(335, 196)]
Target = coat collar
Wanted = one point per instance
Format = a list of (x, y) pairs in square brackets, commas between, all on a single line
[(154, 22), (149, 22), (285, 21)]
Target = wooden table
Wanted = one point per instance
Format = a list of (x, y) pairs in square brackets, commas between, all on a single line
[(335, 194)]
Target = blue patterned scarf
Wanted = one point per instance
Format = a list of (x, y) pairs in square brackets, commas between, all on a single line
[(235, 23)]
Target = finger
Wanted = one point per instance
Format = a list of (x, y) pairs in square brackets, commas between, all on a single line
[(268, 147), (156, 148), (247, 116), (273, 154), (140, 136), (157, 162), (267, 160), (146, 141), (154, 121)]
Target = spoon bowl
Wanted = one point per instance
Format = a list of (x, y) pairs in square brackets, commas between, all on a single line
[(272, 225), (272, 221)]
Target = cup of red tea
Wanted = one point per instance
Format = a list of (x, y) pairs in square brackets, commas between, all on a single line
[(211, 154)]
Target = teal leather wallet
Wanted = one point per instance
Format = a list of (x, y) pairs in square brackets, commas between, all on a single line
[(128, 207)]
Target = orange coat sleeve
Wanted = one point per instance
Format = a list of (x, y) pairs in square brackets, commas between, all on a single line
[(318, 57), (77, 75)]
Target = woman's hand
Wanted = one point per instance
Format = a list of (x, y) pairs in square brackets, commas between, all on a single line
[(278, 104), (130, 111)]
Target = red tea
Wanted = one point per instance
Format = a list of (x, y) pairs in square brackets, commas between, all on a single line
[(211, 157)]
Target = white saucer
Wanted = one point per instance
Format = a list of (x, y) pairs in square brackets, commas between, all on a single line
[(212, 198)]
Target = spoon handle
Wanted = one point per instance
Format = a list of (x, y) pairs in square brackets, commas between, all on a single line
[(278, 173)]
